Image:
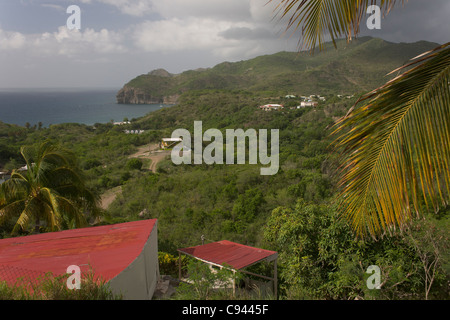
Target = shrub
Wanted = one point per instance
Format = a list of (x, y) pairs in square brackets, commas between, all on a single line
[(134, 164), (204, 284), (51, 287), (168, 264)]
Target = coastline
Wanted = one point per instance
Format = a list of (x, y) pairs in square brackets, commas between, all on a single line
[(67, 105)]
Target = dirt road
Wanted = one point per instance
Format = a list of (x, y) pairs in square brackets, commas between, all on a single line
[(109, 196), (148, 151), (151, 152)]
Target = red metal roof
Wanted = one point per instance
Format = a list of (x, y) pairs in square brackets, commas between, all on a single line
[(106, 249), (236, 255)]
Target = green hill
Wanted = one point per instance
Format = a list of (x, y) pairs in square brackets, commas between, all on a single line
[(355, 67)]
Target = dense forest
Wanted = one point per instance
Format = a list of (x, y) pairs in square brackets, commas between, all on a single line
[(292, 212)]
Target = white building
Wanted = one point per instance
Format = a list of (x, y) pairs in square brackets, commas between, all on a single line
[(305, 104), (270, 107)]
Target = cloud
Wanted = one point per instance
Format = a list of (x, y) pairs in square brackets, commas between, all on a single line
[(246, 33), (229, 10), (130, 7), (64, 42), (53, 6), (11, 40), (217, 27), (179, 34), (224, 40), (88, 40), (167, 9), (173, 34), (416, 20), (222, 28)]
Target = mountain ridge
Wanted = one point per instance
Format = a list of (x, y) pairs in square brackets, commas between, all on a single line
[(360, 65)]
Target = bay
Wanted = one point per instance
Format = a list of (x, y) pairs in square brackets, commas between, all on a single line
[(55, 106)]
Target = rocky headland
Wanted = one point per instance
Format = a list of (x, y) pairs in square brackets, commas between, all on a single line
[(133, 95)]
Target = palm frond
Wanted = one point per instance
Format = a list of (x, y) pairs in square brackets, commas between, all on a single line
[(322, 19), (59, 207), (397, 147), (30, 210), (10, 209)]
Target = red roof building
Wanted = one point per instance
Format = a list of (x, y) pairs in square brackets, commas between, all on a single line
[(125, 255), (235, 255), (232, 255)]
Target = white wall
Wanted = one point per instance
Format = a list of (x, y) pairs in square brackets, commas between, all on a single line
[(138, 281)]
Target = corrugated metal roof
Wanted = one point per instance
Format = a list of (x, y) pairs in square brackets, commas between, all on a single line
[(235, 255), (107, 250)]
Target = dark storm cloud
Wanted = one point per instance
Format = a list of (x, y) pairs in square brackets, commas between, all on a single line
[(414, 21)]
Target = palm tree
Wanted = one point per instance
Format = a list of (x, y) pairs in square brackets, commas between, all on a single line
[(49, 188), (395, 140)]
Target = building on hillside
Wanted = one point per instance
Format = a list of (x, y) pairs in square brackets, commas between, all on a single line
[(137, 131), (235, 257), (305, 104), (125, 255), (270, 107), (167, 143)]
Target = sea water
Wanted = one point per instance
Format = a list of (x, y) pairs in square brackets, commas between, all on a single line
[(55, 106)]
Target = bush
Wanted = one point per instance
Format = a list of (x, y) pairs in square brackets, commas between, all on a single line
[(52, 287), (205, 284), (134, 164), (319, 258), (168, 264)]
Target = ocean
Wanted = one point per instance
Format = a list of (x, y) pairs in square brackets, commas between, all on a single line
[(55, 106)]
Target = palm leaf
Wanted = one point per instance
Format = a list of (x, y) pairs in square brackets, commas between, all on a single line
[(10, 209), (15, 187), (319, 19), (29, 211), (397, 147)]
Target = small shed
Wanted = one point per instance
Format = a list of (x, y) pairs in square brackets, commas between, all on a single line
[(125, 255), (169, 142), (236, 256)]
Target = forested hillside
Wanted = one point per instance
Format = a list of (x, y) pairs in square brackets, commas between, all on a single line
[(355, 67)]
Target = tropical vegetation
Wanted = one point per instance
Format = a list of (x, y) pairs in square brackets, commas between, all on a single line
[(296, 212), (395, 146), (49, 188)]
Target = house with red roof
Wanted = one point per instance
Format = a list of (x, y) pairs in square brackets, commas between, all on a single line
[(125, 255), (233, 256)]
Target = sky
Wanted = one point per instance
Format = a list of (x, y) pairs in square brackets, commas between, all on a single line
[(121, 39)]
